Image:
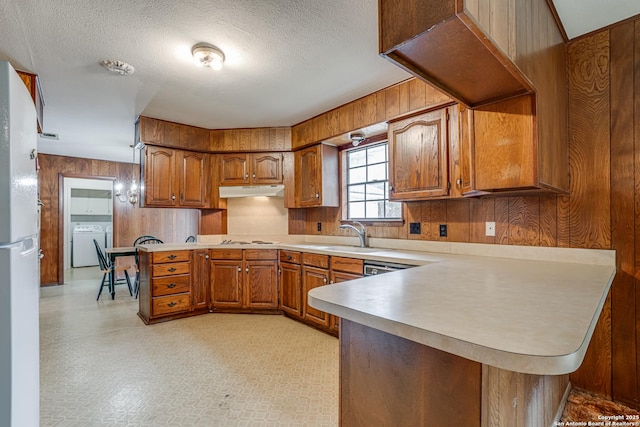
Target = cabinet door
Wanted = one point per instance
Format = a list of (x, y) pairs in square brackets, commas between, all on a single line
[(192, 178), (308, 176), (261, 284), (234, 169), (226, 283), (418, 160), (159, 170), (313, 277), (266, 168), (200, 276), (337, 277), (290, 289)]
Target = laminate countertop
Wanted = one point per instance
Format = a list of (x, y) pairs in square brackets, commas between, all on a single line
[(534, 316)]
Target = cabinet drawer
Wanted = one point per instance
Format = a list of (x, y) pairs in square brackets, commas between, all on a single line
[(257, 254), (225, 253), (348, 265), (171, 269), (170, 285), (315, 260), (290, 256), (171, 304), (172, 256)]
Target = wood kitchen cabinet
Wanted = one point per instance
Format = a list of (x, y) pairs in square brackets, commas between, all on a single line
[(315, 273), (245, 280), (316, 176), (200, 289), (32, 82), (165, 285), (226, 269), (174, 178), (418, 156), (343, 269), (291, 283), (251, 169)]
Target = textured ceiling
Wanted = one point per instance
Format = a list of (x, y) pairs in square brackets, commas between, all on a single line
[(286, 61)]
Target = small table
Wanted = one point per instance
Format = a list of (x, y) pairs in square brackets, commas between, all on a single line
[(114, 253)]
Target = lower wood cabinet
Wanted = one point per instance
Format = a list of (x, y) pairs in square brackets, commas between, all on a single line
[(200, 290), (165, 285), (343, 269), (243, 279), (313, 277), (291, 288)]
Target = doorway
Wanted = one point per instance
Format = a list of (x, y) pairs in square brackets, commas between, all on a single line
[(88, 215)]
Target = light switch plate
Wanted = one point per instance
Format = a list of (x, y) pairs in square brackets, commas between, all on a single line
[(490, 229)]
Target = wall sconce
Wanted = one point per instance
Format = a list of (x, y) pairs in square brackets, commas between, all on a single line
[(133, 193)]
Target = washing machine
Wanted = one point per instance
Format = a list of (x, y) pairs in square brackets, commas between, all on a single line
[(109, 232), (83, 250)]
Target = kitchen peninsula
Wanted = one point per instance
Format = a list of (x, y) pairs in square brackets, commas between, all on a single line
[(476, 335)]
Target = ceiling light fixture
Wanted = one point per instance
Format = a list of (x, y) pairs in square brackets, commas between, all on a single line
[(206, 55), (118, 67), (356, 138)]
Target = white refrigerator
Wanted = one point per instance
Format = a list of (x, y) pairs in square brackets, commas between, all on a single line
[(19, 263)]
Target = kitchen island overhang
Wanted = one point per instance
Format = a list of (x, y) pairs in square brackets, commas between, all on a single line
[(466, 340)]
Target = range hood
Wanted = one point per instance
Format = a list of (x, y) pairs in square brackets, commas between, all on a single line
[(252, 191)]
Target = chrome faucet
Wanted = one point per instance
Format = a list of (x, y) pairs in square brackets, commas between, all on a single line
[(362, 233)]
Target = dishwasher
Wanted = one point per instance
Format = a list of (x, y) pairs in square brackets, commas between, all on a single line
[(373, 268)]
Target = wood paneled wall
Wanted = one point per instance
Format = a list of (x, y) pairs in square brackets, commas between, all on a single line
[(599, 213), (170, 225)]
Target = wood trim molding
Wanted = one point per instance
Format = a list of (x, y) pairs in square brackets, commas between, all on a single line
[(554, 12)]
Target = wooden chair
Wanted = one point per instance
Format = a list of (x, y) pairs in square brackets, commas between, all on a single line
[(106, 267), (147, 240)]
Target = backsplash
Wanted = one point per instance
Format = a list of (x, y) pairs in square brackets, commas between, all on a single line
[(252, 216)]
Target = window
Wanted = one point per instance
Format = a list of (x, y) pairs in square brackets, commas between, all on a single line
[(367, 175)]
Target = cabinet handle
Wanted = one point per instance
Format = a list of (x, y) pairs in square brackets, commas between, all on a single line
[(459, 181), (325, 280), (172, 303), (391, 188), (171, 285), (239, 269), (246, 176), (317, 195), (172, 269), (172, 256), (254, 176), (173, 197), (206, 257), (289, 257), (246, 269)]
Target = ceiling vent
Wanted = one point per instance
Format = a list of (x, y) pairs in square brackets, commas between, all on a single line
[(118, 67), (47, 135)]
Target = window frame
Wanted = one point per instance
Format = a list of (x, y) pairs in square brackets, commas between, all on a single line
[(344, 185)]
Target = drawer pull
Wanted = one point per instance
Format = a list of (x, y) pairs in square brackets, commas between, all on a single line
[(172, 303), (172, 256), (171, 285), (289, 257), (172, 269)]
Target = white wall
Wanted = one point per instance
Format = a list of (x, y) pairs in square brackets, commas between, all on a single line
[(256, 217)]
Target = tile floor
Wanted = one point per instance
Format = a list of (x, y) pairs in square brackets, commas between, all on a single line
[(101, 366)]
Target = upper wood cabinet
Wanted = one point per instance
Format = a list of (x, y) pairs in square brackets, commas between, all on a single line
[(517, 86), (418, 157), (32, 82), (174, 177), (251, 168), (440, 42), (316, 176)]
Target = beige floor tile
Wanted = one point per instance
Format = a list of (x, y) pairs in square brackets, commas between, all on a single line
[(101, 366)]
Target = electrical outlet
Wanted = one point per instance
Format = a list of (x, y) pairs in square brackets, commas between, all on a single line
[(443, 230), (319, 226), (490, 228), (414, 228)]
